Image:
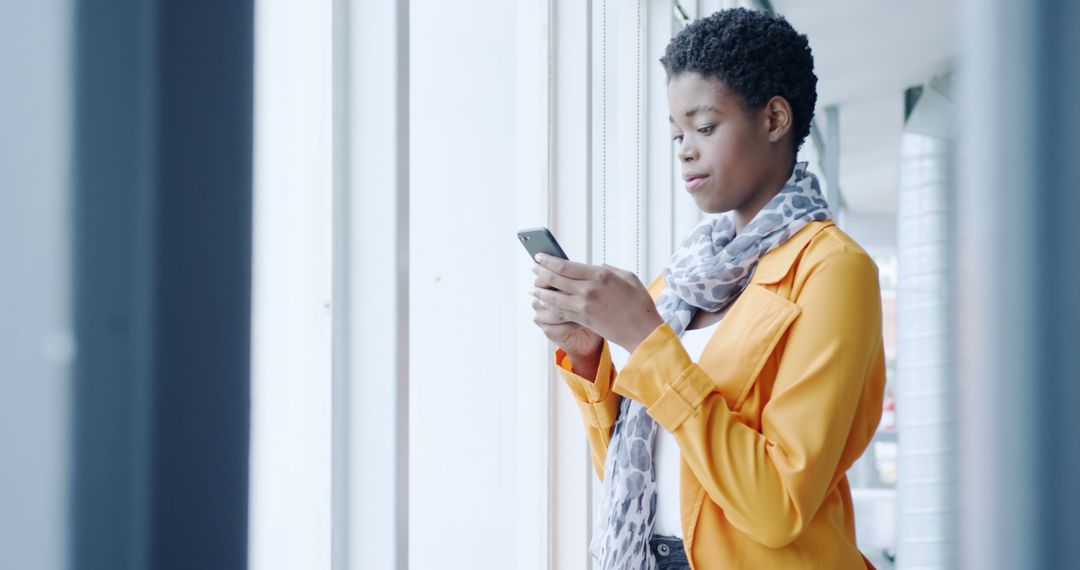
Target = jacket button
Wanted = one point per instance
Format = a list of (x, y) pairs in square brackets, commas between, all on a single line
[(663, 549)]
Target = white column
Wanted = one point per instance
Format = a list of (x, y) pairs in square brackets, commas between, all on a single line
[(926, 337), (572, 135), (373, 353), (290, 506)]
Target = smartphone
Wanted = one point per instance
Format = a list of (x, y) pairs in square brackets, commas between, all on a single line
[(540, 240)]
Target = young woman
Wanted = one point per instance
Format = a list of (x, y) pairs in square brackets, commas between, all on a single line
[(756, 365)]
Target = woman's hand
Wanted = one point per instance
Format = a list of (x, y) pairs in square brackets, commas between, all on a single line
[(612, 302), (582, 344)]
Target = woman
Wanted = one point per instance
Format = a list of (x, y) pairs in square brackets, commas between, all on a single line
[(756, 365)]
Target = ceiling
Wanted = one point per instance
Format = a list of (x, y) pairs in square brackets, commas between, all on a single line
[(866, 53)]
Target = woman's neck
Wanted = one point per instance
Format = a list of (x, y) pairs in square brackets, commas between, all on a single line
[(768, 189)]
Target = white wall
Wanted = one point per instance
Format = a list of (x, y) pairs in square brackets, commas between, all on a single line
[(291, 311), (463, 290)]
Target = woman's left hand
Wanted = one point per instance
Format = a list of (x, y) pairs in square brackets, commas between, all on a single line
[(611, 301)]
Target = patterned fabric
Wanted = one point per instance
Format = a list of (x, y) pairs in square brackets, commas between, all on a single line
[(709, 271)]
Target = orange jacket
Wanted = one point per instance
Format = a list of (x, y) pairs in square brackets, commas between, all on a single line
[(784, 398)]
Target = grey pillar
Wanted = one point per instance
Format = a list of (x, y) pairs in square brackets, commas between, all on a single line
[(1019, 266), (162, 262)]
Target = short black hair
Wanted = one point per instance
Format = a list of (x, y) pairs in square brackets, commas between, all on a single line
[(756, 54)]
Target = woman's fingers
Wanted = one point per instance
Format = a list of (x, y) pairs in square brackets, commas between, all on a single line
[(571, 269), (555, 327), (548, 278), (564, 306), (543, 315), (546, 315)]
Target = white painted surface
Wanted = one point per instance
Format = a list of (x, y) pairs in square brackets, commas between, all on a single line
[(537, 500), (290, 388), (569, 218), (378, 292), (466, 285)]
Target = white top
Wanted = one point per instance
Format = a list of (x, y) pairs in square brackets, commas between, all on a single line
[(666, 451)]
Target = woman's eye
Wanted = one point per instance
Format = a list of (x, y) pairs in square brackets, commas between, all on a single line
[(676, 138), (706, 130)]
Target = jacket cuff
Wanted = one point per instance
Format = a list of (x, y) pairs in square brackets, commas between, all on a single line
[(660, 375), (599, 406)]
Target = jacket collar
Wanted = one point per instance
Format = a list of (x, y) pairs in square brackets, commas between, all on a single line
[(775, 264)]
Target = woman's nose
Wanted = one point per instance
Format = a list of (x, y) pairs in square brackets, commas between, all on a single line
[(686, 151)]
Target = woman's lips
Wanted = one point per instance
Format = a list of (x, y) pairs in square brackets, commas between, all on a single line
[(693, 183)]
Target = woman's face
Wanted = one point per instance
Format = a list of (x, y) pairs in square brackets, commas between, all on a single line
[(726, 154)]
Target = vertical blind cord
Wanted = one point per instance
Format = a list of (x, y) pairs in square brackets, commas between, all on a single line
[(603, 131), (604, 140), (637, 151)]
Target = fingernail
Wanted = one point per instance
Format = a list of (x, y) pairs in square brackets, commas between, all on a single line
[(540, 258)]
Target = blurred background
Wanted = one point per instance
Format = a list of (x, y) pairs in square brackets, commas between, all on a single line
[(261, 303)]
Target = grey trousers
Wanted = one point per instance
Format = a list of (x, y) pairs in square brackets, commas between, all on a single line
[(669, 552)]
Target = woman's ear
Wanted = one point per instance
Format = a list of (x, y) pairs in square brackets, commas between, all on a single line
[(778, 118)]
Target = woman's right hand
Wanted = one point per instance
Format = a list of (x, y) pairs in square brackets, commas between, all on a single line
[(579, 342)]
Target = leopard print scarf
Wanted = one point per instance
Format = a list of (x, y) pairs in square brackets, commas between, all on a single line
[(709, 271)]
